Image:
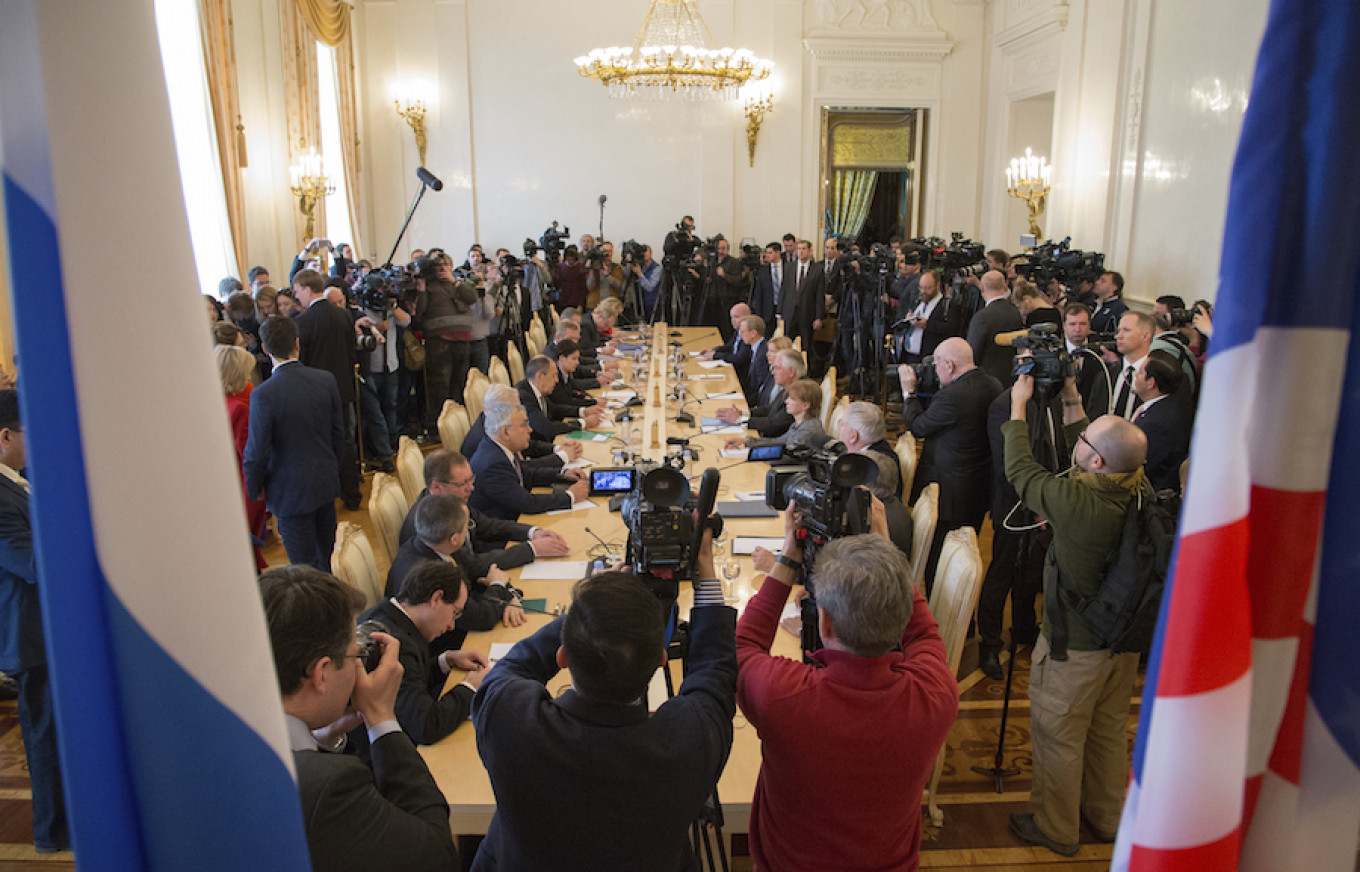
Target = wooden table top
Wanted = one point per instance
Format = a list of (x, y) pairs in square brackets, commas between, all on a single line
[(454, 761)]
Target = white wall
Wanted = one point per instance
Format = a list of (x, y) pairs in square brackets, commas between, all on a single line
[(1147, 100)]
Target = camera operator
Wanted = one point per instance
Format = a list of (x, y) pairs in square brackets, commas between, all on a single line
[(855, 733), (357, 816), (382, 383), (484, 312), (444, 310), (728, 286), (905, 290), (648, 273), (604, 279), (1109, 290), (955, 432), (308, 258), (1034, 307), (555, 761), (570, 279), (1079, 693), (344, 262)]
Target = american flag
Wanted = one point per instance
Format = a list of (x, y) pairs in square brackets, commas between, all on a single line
[(1248, 753), (173, 746)]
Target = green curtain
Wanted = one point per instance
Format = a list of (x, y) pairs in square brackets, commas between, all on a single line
[(851, 193)]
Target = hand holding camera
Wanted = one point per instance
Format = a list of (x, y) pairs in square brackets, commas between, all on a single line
[(375, 693)]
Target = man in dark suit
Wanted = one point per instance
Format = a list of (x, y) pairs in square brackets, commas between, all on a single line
[(23, 655), (756, 377), (326, 334), (291, 456), (390, 813), (1165, 416), (906, 284), (733, 350), (728, 285), (431, 604), (956, 451), (554, 761), (769, 417), (505, 483), (802, 300), (933, 319), (997, 315), (551, 412), (1110, 305), (768, 284), (1093, 375)]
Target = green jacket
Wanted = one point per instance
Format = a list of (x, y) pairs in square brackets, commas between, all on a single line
[(1086, 512)]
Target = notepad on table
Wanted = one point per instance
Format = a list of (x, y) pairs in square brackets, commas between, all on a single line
[(733, 453), (590, 435), (710, 364), (747, 544), (730, 395), (554, 570)]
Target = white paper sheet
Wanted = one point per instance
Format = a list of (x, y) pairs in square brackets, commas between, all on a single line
[(746, 544), (751, 497), (617, 395), (730, 395), (499, 650), (554, 570), (578, 463), (706, 376), (733, 453), (727, 430)]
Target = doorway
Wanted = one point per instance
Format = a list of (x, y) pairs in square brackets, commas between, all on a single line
[(871, 171)]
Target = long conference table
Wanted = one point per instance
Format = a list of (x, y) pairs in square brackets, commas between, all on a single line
[(454, 761)]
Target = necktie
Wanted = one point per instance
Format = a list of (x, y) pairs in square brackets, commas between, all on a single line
[(1121, 404), (518, 471), (802, 274), (774, 269)]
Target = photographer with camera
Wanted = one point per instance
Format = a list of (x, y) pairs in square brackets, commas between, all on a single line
[(855, 732), (955, 432), (444, 311), (905, 290), (648, 272), (570, 279), (358, 815), (1079, 691), (604, 277), (556, 760), (380, 388)]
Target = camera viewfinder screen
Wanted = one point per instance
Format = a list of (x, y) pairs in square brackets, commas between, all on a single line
[(611, 481)]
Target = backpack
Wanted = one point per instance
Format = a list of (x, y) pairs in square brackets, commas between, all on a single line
[(1123, 613)]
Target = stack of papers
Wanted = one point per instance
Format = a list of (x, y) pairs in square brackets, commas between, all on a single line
[(576, 507), (556, 570), (747, 544), (724, 430), (733, 453), (710, 364), (578, 463), (730, 395)]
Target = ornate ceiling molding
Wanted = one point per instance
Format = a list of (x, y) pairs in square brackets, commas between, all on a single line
[(877, 49)]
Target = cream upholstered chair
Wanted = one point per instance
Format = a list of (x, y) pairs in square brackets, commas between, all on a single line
[(515, 363), (778, 330), (533, 344), (454, 425), (836, 414), (497, 373), (387, 508), (536, 325), (953, 598), (906, 459), (828, 398), (352, 562), (473, 392), (410, 468), (798, 344), (923, 517)]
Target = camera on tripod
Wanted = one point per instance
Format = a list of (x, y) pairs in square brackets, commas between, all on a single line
[(952, 258), (553, 241), (631, 252), (1058, 260), (595, 255), (880, 261)]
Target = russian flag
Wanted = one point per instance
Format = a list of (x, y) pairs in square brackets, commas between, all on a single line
[(174, 750), (1248, 753)]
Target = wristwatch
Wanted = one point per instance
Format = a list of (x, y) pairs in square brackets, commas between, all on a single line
[(782, 560)]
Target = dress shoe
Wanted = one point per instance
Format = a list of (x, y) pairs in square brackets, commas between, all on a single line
[(990, 664), (1023, 825), (352, 505)]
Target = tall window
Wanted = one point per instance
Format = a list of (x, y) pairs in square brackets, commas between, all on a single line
[(200, 169), (338, 227)]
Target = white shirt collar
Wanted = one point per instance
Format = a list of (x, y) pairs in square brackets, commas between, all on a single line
[(14, 476)]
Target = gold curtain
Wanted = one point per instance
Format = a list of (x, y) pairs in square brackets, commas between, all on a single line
[(851, 193), (349, 135), (299, 80), (328, 20), (219, 54)]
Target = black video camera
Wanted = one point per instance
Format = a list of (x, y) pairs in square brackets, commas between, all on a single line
[(658, 508), (927, 377), (1048, 361), (631, 252), (553, 242)]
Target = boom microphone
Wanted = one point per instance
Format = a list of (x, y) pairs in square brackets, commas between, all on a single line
[(428, 179), (602, 199)]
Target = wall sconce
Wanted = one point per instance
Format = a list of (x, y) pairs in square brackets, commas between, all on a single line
[(309, 184), (1030, 178), (755, 113), (413, 111)]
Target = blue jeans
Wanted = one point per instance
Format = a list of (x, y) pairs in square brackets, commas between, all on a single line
[(374, 411)]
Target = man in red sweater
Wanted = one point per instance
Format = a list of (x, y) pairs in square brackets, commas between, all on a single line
[(848, 742)]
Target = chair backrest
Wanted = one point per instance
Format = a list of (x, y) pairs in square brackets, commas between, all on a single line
[(906, 459), (533, 344), (778, 331), (954, 596), (497, 373), (836, 414), (515, 363), (536, 324), (473, 392), (387, 508), (828, 398), (923, 517), (410, 468), (352, 562), (453, 425), (798, 344)]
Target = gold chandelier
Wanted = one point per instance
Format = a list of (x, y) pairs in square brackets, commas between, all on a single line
[(673, 58)]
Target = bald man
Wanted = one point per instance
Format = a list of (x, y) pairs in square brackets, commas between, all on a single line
[(997, 315), (734, 350), (956, 454), (1079, 692)]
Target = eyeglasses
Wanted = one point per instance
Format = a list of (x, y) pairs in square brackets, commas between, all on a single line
[(1082, 437)]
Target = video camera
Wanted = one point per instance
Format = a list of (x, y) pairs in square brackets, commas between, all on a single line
[(631, 252), (381, 287), (552, 242), (830, 503), (1058, 260), (659, 510), (881, 260), (679, 247), (750, 256), (1048, 361), (959, 256)]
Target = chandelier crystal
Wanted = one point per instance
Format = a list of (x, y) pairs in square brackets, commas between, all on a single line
[(673, 58)]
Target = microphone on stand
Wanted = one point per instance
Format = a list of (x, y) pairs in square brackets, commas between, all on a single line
[(428, 179)]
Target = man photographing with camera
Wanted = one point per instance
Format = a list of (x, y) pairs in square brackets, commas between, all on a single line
[(556, 760), (855, 732), (1079, 690)]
